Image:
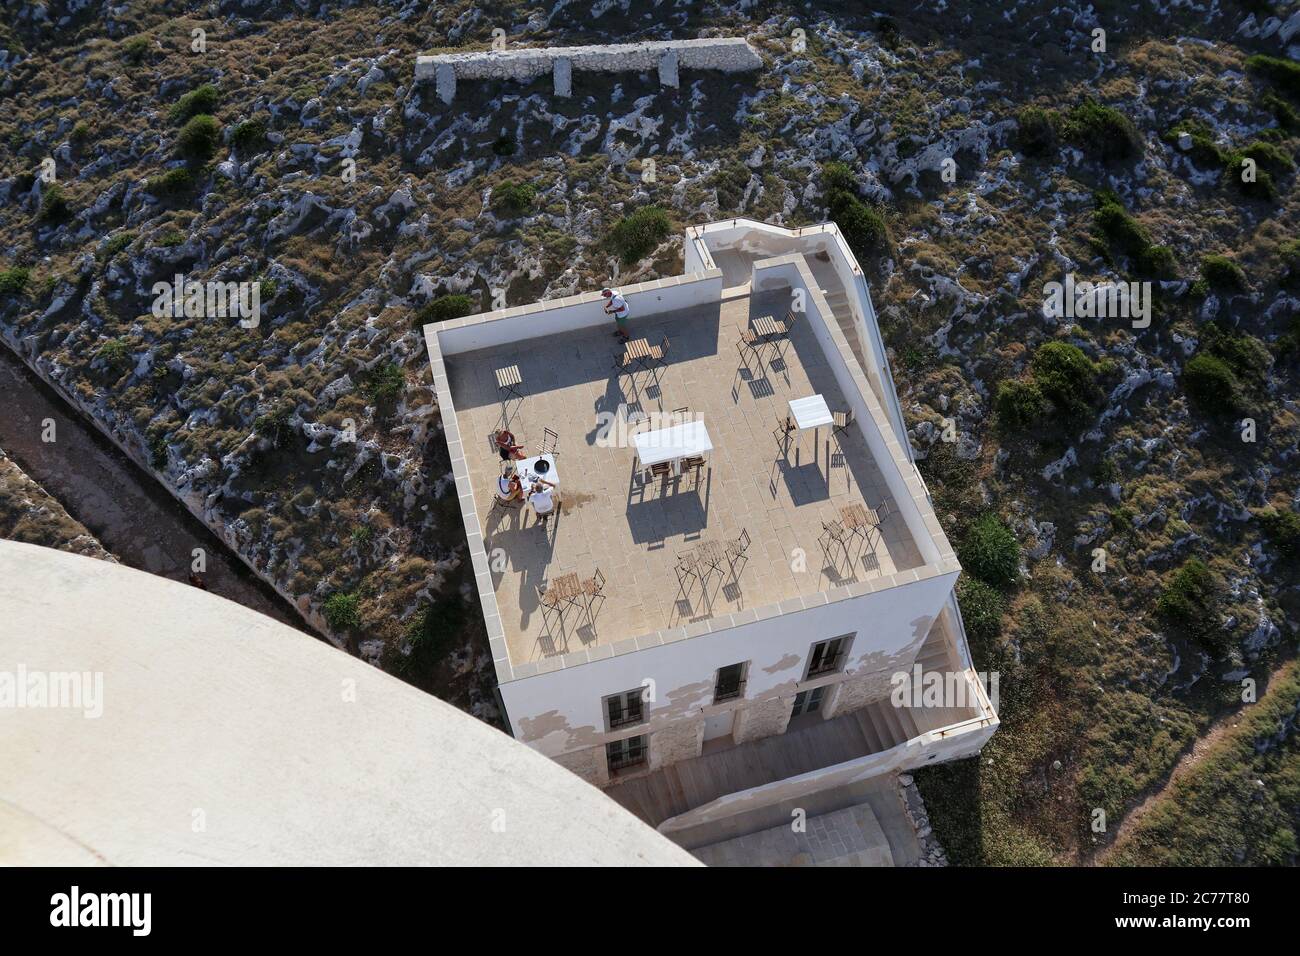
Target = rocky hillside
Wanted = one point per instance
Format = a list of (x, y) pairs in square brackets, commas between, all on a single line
[(974, 152), (30, 515)]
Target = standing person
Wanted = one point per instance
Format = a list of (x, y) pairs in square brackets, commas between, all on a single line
[(616, 306)]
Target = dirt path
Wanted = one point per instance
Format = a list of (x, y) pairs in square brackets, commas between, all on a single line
[(1203, 746)]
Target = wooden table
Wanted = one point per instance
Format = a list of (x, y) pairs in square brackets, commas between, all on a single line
[(637, 350), (765, 325), (567, 588), (860, 519)]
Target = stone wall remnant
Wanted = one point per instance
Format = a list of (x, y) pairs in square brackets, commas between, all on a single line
[(665, 57)]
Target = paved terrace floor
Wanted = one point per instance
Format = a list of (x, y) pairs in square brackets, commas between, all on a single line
[(633, 532)]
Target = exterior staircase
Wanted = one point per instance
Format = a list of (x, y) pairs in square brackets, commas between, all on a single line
[(838, 300)]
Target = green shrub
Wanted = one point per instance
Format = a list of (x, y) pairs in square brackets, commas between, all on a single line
[(1101, 132), (444, 308), (202, 100), (116, 353), (342, 611), (115, 244), (274, 425), (385, 383), (1205, 152), (1187, 604), (54, 205), (1117, 227), (513, 198), (14, 281), (1269, 156), (248, 136), (1289, 252), (838, 178), (636, 236), (1284, 74), (1210, 383), (1125, 236), (1283, 529), (174, 182), (1246, 355), (158, 450), (1285, 114), (80, 133), (1261, 186), (199, 137), (1035, 131), (1157, 261), (1019, 405), (990, 552), (1220, 272), (863, 227), (433, 629), (1067, 377), (982, 608), (136, 49)]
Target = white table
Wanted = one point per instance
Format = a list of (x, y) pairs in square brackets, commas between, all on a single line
[(810, 412), (687, 440), (527, 471)]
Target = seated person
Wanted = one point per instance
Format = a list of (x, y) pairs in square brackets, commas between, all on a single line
[(507, 446), (509, 487)]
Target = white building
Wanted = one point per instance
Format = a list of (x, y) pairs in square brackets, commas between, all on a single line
[(145, 722), (698, 698)]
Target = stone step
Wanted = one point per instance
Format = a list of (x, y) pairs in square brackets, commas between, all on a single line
[(876, 739)]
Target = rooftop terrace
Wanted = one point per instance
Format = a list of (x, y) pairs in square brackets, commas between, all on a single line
[(634, 531)]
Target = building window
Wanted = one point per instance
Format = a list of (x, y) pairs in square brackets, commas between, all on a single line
[(622, 754), (808, 701), (827, 657), (730, 683), (623, 710)]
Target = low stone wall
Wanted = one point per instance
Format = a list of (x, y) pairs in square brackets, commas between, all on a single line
[(728, 54)]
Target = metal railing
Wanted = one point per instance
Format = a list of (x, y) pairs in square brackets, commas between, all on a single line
[(728, 690)]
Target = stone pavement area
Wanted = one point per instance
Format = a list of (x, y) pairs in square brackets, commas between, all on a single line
[(850, 837), (634, 532)]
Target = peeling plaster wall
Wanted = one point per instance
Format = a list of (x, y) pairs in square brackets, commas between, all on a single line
[(588, 764), (679, 741), (859, 691), (560, 710), (763, 718)]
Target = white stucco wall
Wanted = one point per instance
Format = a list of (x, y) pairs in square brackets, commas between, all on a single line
[(555, 316), (560, 710)]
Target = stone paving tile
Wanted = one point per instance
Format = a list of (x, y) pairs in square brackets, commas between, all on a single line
[(634, 532)]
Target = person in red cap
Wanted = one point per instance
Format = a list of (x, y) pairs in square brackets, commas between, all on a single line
[(616, 306)]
